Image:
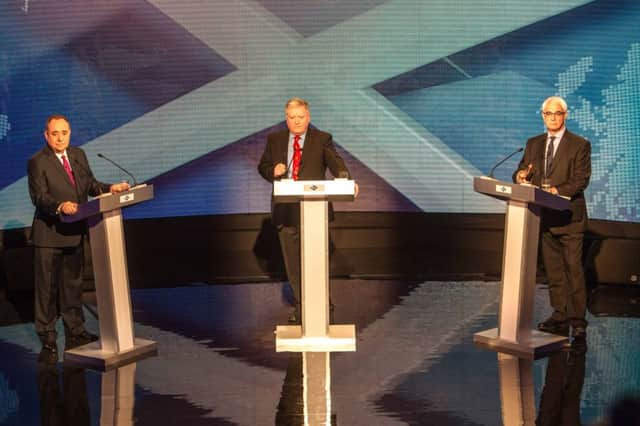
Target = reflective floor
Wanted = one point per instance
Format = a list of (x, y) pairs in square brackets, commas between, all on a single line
[(415, 363)]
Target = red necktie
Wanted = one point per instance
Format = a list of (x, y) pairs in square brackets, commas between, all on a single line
[(67, 168), (297, 155)]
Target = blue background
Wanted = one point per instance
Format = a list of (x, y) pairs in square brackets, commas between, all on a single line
[(420, 96)]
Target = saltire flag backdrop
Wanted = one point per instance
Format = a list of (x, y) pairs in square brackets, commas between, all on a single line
[(420, 95)]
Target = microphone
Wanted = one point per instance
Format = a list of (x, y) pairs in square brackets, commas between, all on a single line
[(503, 160), (135, 182)]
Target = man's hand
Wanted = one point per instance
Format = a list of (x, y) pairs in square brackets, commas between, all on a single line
[(119, 187), (357, 190), (68, 208), (521, 176), (279, 170)]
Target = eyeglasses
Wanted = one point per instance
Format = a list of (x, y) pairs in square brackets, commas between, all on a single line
[(549, 114)]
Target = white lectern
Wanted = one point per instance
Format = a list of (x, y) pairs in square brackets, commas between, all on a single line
[(520, 253), (117, 345), (315, 333)]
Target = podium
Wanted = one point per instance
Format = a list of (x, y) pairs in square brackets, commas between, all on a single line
[(117, 344), (315, 334), (520, 253)]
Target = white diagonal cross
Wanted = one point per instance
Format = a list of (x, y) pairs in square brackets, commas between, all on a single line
[(334, 70)]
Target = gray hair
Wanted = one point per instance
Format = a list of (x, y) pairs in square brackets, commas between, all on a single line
[(296, 102), (558, 99)]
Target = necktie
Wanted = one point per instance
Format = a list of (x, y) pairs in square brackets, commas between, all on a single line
[(297, 155), (549, 158), (67, 168)]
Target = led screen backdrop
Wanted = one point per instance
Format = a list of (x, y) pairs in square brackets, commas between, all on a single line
[(420, 95)]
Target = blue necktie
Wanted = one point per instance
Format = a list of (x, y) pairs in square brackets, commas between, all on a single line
[(549, 158)]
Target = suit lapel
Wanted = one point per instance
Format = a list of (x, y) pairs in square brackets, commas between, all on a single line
[(283, 147), (306, 148), (57, 166), (538, 156)]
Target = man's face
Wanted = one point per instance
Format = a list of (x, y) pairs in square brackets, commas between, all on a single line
[(554, 116), (298, 119), (57, 135)]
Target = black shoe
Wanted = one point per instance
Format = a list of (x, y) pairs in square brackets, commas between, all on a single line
[(48, 354), (579, 333), (295, 316), (80, 339), (554, 326)]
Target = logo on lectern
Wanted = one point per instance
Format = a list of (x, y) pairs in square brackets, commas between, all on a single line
[(126, 198), (503, 189), (314, 187)]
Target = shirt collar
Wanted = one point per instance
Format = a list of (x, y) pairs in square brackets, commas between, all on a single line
[(559, 134), (60, 154), (302, 136)]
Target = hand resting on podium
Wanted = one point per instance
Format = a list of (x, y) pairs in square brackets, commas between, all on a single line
[(119, 187), (70, 208)]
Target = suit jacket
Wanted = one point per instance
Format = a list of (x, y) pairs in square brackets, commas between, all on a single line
[(318, 154), (570, 172), (49, 186)]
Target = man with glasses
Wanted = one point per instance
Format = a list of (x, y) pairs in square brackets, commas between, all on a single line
[(562, 160)]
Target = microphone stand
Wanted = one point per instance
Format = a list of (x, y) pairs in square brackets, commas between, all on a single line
[(135, 182), (490, 175)]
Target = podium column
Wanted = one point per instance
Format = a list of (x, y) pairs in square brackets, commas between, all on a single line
[(519, 270), (118, 344), (314, 245), (112, 282)]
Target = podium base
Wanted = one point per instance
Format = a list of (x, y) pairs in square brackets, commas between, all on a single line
[(341, 338), (539, 345), (92, 356)]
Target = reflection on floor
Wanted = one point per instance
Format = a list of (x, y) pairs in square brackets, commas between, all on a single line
[(415, 364)]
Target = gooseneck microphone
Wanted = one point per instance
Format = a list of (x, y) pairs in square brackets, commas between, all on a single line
[(503, 160), (135, 182)]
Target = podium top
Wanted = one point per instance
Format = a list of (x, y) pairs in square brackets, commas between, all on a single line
[(291, 191), (507, 191), (109, 202)]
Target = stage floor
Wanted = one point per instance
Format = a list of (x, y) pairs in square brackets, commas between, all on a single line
[(415, 363)]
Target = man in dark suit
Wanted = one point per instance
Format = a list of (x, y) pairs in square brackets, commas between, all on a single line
[(563, 160), (59, 180), (299, 153)]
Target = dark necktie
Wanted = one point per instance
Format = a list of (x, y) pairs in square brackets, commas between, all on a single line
[(297, 155), (549, 158), (67, 168)]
